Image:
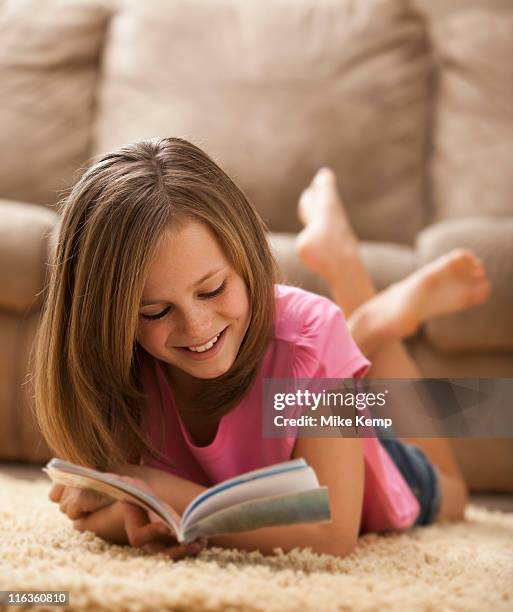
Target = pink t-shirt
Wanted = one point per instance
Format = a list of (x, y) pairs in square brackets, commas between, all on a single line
[(310, 340)]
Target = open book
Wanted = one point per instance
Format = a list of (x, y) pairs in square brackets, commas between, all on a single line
[(281, 494)]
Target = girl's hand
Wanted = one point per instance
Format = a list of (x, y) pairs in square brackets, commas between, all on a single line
[(156, 537), (77, 503), (121, 521), (145, 530)]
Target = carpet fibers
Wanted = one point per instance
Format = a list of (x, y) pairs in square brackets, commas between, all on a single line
[(463, 566)]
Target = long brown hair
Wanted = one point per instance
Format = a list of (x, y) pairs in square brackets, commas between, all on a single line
[(88, 399)]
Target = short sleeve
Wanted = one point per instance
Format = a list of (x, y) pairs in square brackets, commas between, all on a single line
[(325, 347)]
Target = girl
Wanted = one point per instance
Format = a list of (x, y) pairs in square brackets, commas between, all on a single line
[(162, 318)]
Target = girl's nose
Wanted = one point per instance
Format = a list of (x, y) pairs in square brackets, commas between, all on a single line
[(196, 328)]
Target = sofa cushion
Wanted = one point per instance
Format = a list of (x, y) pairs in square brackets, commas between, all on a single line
[(434, 363), (473, 143), (20, 437), (273, 91), (48, 67), (25, 234), (436, 9), (487, 327), (386, 263)]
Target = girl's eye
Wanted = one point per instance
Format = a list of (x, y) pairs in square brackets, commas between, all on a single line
[(213, 294), (156, 316), (203, 296)]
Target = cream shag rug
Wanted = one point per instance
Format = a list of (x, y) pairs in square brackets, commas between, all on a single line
[(464, 566)]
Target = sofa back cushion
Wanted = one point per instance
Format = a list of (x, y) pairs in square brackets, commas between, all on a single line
[(436, 9), (473, 142), (274, 90), (49, 52)]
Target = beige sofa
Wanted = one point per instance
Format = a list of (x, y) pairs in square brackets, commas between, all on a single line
[(411, 106)]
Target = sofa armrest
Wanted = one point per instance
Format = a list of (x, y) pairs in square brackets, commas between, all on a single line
[(490, 325), (24, 246)]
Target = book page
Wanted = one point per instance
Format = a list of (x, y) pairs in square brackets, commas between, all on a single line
[(275, 483), (303, 507), (277, 468)]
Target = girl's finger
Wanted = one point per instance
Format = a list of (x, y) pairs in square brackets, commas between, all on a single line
[(200, 544), (152, 532), (154, 518), (75, 511), (186, 550), (139, 530), (153, 548), (90, 501), (56, 492), (176, 552), (77, 503), (65, 502)]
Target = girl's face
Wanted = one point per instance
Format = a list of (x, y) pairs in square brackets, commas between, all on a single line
[(195, 308)]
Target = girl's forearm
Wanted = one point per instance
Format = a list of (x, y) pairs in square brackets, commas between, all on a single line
[(318, 537), (178, 493)]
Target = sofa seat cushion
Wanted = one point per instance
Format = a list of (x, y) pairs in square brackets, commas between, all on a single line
[(20, 437), (489, 326), (275, 90), (434, 363)]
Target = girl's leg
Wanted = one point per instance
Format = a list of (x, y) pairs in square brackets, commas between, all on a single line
[(328, 246), (452, 282)]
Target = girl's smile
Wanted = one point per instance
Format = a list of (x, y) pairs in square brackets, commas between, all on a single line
[(206, 350), (195, 308)]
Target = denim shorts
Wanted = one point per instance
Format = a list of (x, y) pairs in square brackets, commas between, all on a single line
[(420, 475)]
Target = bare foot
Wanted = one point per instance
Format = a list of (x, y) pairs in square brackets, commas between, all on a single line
[(451, 283), (328, 238)]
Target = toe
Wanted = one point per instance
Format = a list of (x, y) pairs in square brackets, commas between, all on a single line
[(461, 254), (304, 206), (479, 272), (325, 175), (305, 196), (481, 292)]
